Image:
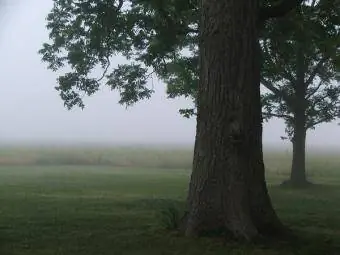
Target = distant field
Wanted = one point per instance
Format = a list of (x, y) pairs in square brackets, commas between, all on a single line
[(319, 162), (124, 156), (109, 201)]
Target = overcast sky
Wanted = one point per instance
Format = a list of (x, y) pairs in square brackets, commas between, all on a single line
[(31, 110)]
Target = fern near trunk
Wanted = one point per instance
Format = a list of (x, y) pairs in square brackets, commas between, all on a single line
[(227, 190)]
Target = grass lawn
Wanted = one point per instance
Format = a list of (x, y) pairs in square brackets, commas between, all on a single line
[(105, 209)]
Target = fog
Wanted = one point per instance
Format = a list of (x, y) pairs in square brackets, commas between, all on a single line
[(32, 112)]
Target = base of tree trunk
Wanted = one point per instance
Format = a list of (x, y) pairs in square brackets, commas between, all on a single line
[(268, 234), (296, 184), (253, 223)]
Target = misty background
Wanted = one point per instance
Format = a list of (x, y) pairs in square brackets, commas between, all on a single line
[(31, 111)]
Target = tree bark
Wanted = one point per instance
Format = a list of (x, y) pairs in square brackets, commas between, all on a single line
[(227, 191), (298, 171)]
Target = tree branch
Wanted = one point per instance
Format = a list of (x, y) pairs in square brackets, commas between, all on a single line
[(274, 61), (289, 77), (313, 104), (314, 90), (108, 64), (120, 5), (278, 10), (282, 116), (276, 91), (315, 71), (313, 3), (317, 122)]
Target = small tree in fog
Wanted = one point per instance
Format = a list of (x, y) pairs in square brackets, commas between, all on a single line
[(301, 54)]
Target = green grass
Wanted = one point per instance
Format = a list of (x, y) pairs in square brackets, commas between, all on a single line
[(101, 209)]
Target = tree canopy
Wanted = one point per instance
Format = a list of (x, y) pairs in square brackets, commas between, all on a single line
[(157, 37), (152, 35), (302, 50)]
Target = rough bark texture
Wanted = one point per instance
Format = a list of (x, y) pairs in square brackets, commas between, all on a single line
[(227, 190)]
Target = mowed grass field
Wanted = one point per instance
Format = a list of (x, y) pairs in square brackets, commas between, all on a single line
[(112, 201)]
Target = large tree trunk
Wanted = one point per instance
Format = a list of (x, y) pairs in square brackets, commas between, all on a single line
[(298, 171), (227, 190)]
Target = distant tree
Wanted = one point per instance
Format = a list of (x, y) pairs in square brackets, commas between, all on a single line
[(301, 54), (227, 189)]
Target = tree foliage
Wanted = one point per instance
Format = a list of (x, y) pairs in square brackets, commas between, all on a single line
[(153, 35), (302, 51), (161, 37)]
